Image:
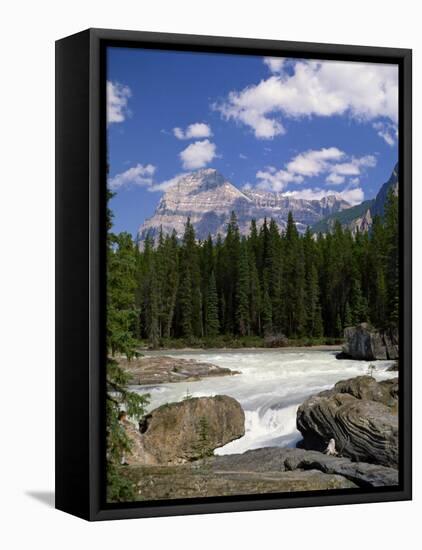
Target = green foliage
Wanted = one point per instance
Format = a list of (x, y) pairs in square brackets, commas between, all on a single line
[(212, 323), (202, 445), (304, 287), (122, 326)]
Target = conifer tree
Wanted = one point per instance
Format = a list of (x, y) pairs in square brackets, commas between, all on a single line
[(212, 324), (267, 314), (122, 315), (391, 217), (242, 291)]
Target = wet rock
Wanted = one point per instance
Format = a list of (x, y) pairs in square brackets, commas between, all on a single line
[(360, 414), (162, 369)]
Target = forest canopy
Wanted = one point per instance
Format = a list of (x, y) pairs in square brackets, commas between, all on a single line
[(268, 282)]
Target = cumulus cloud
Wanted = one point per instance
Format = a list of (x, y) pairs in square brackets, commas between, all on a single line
[(276, 180), (352, 196), (138, 175), (313, 162), (275, 64), (193, 131), (387, 131), (363, 91), (164, 185), (330, 163), (117, 102), (198, 154), (336, 179)]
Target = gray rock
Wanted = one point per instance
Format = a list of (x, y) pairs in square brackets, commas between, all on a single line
[(162, 370), (366, 343), (274, 459), (208, 198), (360, 414)]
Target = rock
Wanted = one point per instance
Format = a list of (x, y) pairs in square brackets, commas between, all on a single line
[(268, 470), (208, 198), (177, 433), (155, 483), (364, 342), (162, 369), (275, 459), (276, 341), (394, 368), (360, 414)]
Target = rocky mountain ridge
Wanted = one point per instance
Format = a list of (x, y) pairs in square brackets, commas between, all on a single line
[(208, 199)]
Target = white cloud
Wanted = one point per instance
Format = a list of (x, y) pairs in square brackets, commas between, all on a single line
[(242, 156), (322, 163), (387, 131), (364, 91), (139, 175), (198, 154), (272, 179), (193, 131), (352, 196), (117, 102), (164, 185), (336, 179), (354, 166), (313, 162), (275, 64)]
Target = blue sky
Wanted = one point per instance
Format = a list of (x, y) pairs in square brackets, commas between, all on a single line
[(306, 128)]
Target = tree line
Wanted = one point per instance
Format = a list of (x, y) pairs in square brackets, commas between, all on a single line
[(268, 282)]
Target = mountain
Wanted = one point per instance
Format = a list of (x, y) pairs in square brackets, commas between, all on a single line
[(208, 199), (360, 217)]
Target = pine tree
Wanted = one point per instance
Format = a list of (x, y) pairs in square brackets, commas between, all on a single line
[(391, 217), (122, 316), (212, 325), (190, 285), (267, 314), (242, 291)]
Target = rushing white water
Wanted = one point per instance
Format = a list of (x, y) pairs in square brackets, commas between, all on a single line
[(271, 386)]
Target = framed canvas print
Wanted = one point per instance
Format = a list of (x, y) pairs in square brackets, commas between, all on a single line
[(233, 274)]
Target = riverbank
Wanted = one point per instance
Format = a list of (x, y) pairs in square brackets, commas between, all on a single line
[(286, 349), (271, 385), (240, 342), (175, 452)]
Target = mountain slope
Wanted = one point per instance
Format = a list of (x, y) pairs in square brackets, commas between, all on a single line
[(360, 217), (208, 198)]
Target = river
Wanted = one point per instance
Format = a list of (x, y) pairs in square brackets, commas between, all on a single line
[(271, 386)]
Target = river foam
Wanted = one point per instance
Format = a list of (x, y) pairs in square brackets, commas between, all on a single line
[(270, 388)]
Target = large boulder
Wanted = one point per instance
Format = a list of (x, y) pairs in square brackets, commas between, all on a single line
[(364, 342), (360, 414), (181, 432)]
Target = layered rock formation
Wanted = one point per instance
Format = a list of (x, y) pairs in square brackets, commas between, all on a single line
[(269, 470), (162, 370), (177, 433), (360, 414), (208, 199), (364, 342)]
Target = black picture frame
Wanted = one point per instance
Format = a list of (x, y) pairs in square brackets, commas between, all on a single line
[(80, 271)]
